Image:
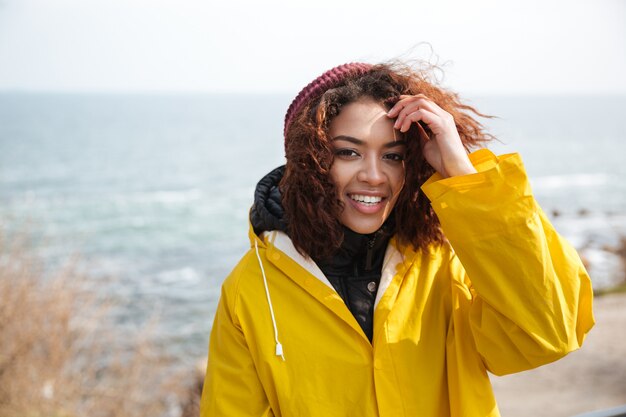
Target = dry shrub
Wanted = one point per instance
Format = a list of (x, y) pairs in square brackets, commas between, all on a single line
[(61, 355)]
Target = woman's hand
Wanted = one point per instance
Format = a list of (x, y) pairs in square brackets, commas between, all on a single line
[(446, 152)]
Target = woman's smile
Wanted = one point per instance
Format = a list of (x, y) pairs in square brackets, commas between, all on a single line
[(366, 204)]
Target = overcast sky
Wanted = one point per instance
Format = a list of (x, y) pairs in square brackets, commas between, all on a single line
[(487, 47)]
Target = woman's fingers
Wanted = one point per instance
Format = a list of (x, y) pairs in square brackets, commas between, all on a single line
[(446, 153), (412, 104), (418, 115), (400, 106), (406, 103)]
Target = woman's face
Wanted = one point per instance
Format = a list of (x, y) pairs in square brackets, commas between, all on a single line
[(368, 165)]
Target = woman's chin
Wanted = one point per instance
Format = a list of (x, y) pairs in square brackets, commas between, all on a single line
[(362, 224)]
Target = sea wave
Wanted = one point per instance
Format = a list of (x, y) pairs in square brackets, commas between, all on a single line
[(551, 182), (166, 197), (186, 274)]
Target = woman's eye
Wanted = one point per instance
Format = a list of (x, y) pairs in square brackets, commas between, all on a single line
[(395, 157), (346, 153)]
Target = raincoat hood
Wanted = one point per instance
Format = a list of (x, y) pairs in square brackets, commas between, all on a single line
[(267, 212)]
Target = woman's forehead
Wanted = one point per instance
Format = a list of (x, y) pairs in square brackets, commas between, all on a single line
[(362, 119)]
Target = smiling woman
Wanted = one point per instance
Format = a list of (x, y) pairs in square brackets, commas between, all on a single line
[(390, 269)]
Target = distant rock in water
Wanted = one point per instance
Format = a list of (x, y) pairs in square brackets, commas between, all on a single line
[(600, 239)]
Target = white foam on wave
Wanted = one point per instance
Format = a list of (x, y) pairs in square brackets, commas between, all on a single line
[(596, 227), (552, 182), (185, 274), (597, 237), (604, 267), (168, 197), (162, 197)]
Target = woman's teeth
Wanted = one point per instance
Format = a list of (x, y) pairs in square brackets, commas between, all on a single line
[(366, 199)]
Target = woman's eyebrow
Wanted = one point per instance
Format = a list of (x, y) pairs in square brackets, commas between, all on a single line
[(359, 142)]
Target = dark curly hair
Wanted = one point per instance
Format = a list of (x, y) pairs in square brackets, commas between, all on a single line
[(309, 197)]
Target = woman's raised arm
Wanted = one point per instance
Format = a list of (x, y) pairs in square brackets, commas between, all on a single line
[(522, 289)]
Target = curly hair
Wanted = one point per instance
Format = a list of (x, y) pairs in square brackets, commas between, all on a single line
[(310, 199)]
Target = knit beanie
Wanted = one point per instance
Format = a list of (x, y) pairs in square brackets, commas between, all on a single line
[(330, 79)]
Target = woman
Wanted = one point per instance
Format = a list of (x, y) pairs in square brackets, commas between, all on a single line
[(389, 269)]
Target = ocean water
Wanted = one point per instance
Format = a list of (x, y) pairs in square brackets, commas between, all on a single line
[(153, 191)]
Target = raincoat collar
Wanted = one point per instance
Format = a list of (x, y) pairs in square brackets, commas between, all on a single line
[(280, 251)]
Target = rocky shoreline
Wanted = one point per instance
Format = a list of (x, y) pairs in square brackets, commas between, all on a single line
[(600, 239)]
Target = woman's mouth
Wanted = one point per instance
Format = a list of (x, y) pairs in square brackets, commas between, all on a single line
[(366, 204), (366, 199)]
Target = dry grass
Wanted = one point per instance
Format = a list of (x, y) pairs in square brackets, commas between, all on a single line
[(61, 355)]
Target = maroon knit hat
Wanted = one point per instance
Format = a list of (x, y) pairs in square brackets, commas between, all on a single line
[(330, 79)]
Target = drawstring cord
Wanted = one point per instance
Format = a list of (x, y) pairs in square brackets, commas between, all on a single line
[(279, 347)]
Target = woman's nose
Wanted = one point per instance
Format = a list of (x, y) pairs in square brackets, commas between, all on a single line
[(371, 172)]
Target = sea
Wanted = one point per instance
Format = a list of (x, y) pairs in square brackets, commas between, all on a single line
[(151, 192)]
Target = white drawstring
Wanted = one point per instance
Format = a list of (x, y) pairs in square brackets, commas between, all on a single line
[(279, 347)]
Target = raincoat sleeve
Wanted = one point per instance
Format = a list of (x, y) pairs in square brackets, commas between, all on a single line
[(528, 298), (231, 386)]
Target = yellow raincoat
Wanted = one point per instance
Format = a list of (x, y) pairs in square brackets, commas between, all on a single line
[(506, 294)]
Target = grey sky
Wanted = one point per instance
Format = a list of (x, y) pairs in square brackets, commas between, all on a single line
[(502, 47)]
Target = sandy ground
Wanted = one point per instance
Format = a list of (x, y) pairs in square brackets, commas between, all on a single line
[(592, 378)]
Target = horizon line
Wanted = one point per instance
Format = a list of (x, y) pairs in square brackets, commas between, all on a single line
[(469, 93)]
